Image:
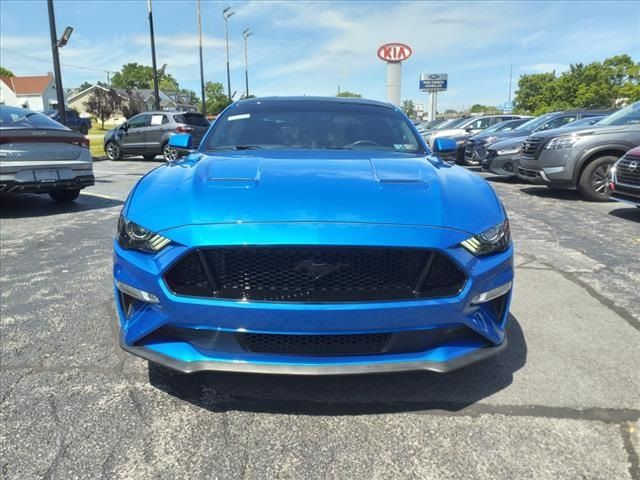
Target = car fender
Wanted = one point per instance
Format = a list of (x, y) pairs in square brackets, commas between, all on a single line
[(617, 147)]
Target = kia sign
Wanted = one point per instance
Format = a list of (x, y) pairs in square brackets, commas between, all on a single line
[(433, 82), (394, 52)]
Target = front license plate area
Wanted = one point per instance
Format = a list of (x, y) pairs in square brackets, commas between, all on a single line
[(50, 175)]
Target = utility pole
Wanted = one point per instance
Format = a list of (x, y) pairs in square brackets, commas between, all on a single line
[(156, 94), (204, 108), (246, 34), (510, 77), (56, 64), (226, 13)]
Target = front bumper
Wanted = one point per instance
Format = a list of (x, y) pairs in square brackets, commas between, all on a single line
[(550, 167), (484, 325), (503, 165)]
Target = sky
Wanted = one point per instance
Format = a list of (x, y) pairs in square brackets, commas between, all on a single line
[(314, 48)]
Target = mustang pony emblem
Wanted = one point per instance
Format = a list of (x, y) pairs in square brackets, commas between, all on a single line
[(316, 271)]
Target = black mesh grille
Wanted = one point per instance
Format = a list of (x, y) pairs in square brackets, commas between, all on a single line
[(531, 147), (628, 171), (354, 344), (315, 274)]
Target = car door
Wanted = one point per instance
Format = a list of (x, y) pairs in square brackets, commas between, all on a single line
[(154, 132), (133, 136)]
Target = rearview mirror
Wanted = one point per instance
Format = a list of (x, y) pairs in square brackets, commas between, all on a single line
[(444, 145), (182, 143)]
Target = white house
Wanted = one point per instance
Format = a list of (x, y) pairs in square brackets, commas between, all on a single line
[(35, 93)]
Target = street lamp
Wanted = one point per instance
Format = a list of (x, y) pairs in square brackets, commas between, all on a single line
[(156, 94), (246, 34), (226, 13), (55, 46), (204, 102)]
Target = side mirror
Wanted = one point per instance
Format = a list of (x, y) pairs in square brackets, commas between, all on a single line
[(444, 145), (182, 143), (124, 126)]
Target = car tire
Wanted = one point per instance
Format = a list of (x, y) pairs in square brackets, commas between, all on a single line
[(64, 195), (113, 151), (84, 130), (149, 156), (594, 179), (169, 153)]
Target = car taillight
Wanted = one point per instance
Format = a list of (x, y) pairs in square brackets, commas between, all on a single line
[(182, 129)]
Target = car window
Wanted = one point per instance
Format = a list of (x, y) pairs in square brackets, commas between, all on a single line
[(194, 119), (557, 122), (17, 118), (138, 121), (314, 125), (480, 123), (158, 120), (627, 115)]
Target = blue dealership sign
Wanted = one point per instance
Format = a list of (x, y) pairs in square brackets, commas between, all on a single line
[(433, 82)]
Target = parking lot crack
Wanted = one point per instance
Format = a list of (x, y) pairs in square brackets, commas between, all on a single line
[(634, 462), (56, 460)]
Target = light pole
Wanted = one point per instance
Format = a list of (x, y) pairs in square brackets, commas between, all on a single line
[(246, 34), (55, 45), (204, 109), (226, 13), (156, 94)]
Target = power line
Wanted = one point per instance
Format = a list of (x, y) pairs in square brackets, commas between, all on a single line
[(63, 64)]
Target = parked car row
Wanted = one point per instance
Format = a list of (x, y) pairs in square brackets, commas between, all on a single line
[(563, 150)]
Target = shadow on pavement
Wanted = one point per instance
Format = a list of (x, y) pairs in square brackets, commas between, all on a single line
[(508, 180), (348, 395), (545, 192), (628, 213), (31, 205)]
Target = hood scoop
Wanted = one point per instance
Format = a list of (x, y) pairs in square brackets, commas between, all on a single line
[(392, 171), (234, 172)]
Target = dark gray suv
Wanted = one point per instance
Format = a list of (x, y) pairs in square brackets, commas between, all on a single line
[(148, 134), (581, 157)]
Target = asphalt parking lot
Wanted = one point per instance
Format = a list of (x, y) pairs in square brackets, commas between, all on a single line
[(563, 401)]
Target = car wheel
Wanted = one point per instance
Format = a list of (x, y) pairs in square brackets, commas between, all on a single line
[(169, 153), (64, 195), (149, 156), (84, 130), (593, 183), (114, 152)]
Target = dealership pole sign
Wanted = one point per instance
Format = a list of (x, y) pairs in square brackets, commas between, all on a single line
[(394, 54), (433, 82)]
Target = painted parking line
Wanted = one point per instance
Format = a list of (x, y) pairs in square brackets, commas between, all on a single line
[(100, 195)]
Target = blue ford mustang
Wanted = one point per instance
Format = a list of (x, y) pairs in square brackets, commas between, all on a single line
[(312, 236)]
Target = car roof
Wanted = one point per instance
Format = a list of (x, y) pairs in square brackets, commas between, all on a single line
[(305, 99)]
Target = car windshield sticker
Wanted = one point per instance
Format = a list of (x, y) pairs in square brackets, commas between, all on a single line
[(242, 116), (404, 146), (156, 119)]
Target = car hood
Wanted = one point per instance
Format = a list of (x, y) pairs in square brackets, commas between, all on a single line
[(507, 143), (449, 132), (313, 186), (591, 129)]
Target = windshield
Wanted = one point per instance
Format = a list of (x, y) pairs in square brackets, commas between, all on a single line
[(308, 124), (536, 122), (20, 118), (627, 115), (429, 124), (451, 123)]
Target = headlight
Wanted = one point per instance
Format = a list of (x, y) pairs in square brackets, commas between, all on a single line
[(495, 239), (134, 237), (562, 142), (490, 140), (509, 151)]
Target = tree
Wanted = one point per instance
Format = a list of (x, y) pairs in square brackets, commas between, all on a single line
[(598, 85), (409, 108), (216, 99), (348, 94), (103, 103), (84, 86), (5, 72), (133, 105), (133, 75), (483, 109)]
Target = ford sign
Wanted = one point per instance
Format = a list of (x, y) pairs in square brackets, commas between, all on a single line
[(394, 52)]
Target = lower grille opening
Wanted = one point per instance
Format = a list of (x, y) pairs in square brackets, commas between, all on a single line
[(315, 274), (310, 344)]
